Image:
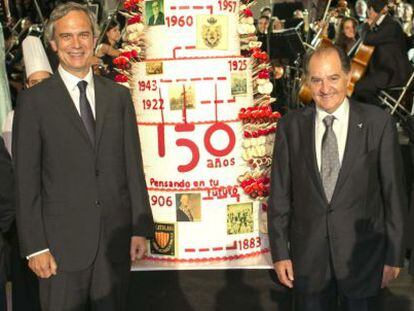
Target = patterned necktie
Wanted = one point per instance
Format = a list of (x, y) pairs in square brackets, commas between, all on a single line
[(86, 111), (330, 158)]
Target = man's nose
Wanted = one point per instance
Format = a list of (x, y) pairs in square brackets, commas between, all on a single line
[(76, 42), (324, 86)]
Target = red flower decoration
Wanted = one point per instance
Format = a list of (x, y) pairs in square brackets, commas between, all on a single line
[(135, 19), (121, 78), (248, 12), (134, 53), (264, 74)]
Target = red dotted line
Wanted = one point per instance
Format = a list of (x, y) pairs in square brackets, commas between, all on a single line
[(209, 259), (194, 7), (193, 79), (214, 249), (194, 57), (188, 47), (218, 101), (177, 123), (188, 189)]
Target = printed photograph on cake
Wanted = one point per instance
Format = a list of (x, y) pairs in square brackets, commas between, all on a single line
[(164, 240), (179, 94), (212, 32), (154, 12), (238, 84), (240, 218), (154, 68), (188, 207)]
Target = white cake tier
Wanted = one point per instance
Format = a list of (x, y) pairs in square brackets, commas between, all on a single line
[(191, 138), (214, 89), (200, 28)]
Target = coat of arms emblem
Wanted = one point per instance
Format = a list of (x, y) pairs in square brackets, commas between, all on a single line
[(211, 33)]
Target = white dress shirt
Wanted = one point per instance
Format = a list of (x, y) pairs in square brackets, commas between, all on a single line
[(71, 83), (340, 128)]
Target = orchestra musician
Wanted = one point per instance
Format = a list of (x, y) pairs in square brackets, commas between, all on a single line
[(389, 65)]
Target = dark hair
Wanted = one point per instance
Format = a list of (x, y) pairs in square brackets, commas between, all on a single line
[(265, 17), (112, 24), (343, 57), (342, 40), (265, 8), (377, 5)]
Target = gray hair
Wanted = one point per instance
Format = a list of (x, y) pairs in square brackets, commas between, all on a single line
[(64, 9)]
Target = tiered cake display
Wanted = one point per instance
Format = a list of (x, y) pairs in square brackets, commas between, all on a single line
[(205, 125)]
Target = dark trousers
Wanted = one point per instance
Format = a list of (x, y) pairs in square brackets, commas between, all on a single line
[(101, 287), (331, 300), (3, 298), (25, 287)]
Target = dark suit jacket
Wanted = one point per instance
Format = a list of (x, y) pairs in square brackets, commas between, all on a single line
[(7, 211), (389, 65), (362, 228), (159, 21), (69, 193)]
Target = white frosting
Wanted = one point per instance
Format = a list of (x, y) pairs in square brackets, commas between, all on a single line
[(204, 77), (174, 41)]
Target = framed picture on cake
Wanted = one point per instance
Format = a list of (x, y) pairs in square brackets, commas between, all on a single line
[(154, 12)]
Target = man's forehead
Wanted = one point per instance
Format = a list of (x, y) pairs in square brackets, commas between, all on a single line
[(75, 17)]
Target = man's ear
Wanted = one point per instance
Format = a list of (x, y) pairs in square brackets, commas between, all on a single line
[(53, 45)]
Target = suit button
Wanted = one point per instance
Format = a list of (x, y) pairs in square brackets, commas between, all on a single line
[(97, 203), (97, 173), (330, 210)]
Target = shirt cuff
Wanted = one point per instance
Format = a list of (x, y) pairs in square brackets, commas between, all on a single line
[(37, 253)]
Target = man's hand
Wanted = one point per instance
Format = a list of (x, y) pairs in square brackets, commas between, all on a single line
[(43, 265), (389, 273), (138, 248), (284, 271)]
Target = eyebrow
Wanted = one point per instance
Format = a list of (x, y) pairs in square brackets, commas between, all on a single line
[(70, 33), (330, 76)]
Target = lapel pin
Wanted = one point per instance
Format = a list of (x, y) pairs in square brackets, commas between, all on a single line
[(359, 125)]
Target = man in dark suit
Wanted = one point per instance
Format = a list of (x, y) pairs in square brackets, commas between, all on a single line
[(157, 17), (82, 206), (336, 206), (389, 65), (6, 214)]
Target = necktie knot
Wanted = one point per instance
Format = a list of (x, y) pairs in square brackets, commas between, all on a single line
[(82, 86), (328, 121)]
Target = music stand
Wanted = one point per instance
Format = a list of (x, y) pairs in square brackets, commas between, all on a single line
[(284, 10), (286, 44)]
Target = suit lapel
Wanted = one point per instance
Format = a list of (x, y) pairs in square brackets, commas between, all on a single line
[(67, 107), (355, 141), (307, 128), (101, 103)]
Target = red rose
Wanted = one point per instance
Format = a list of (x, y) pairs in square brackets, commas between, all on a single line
[(264, 74), (121, 78), (248, 12)]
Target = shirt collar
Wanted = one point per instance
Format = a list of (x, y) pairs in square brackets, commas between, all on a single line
[(380, 19), (72, 81), (340, 113)]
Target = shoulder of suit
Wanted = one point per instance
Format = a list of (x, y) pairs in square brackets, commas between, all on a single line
[(372, 113), (298, 113), (110, 84), (41, 89)]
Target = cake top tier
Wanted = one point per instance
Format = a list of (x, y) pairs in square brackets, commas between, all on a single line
[(185, 29)]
